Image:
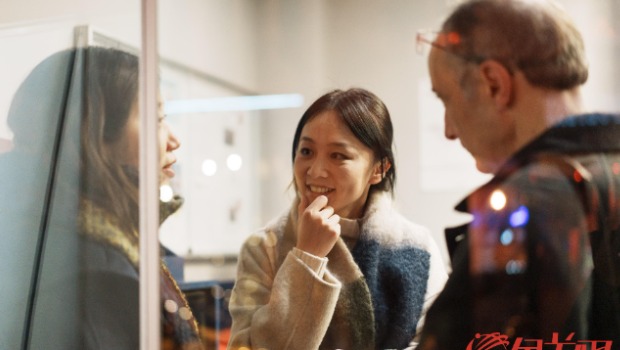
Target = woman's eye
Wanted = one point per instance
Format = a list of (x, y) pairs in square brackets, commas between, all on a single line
[(304, 151), (339, 156)]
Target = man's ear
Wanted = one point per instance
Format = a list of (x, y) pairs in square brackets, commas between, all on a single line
[(499, 82), (379, 170)]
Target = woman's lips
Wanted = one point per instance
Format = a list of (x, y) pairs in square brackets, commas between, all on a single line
[(313, 192), (319, 189), (168, 172)]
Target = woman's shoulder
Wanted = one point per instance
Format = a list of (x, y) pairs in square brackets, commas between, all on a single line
[(102, 258), (391, 227), (268, 245), (269, 235)]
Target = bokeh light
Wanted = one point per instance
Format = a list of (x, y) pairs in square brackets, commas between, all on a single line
[(520, 217), (234, 162), (506, 237), (498, 200), (166, 193), (209, 167)]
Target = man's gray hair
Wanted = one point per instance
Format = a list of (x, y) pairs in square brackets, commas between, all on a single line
[(536, 37)]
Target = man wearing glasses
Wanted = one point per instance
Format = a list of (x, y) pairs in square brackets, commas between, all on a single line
[(539, 265)]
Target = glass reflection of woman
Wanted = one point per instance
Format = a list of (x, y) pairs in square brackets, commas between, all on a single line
[(108, 219), (343, 269)]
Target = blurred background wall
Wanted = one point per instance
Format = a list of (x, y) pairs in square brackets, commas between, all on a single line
[(215, 48)]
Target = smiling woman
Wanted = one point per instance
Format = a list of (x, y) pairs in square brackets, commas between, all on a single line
[(343, 269)]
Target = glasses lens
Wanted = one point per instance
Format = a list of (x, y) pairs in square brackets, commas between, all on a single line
[(424, 40)]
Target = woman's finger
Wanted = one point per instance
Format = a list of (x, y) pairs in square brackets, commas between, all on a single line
[(327, 212), (319, 203), (334, 219)]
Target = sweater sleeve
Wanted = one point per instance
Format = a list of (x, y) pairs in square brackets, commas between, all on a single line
[(279, 307), (316, 264)]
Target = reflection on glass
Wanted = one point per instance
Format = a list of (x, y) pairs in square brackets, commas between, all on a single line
[(76, 130), (35, 185), (108, 220)]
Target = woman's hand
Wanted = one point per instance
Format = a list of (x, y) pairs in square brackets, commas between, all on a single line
[(318, 228)]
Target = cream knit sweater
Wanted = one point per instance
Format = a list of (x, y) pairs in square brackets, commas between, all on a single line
[(371, 297)]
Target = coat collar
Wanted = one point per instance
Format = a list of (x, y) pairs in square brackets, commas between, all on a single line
[(585, 133), (97, 223)]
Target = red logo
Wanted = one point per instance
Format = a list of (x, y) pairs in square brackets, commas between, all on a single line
[(498, 341), (495, 341)]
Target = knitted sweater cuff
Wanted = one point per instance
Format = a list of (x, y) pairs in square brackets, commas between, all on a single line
[(315, 263)]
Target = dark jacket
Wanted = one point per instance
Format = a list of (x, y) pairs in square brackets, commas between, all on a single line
[(110, 288), (540, 260)]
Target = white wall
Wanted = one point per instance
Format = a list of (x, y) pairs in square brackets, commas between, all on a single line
[(31, 30), (213, 36), (598, 24)]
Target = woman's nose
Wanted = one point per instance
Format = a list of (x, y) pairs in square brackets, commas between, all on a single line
[(317, 168), (173, 141)]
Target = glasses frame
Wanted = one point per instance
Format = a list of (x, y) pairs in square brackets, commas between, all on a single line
[(441, 40)]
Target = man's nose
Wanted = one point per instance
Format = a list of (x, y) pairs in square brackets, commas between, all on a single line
[(448, 130)]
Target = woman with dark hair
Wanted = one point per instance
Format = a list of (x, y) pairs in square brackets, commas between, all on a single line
[(342, 269), (69, 224), (108, 220)]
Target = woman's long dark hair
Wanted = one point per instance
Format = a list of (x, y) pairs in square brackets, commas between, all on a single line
[(111, 80)]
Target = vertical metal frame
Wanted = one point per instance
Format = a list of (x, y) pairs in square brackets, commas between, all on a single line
[(150, 337)]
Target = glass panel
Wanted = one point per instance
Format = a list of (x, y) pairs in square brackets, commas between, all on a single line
[(51, 137), (27, 173), (56, 264)]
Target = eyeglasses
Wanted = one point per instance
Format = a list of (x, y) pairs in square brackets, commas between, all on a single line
[(442, 40)]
